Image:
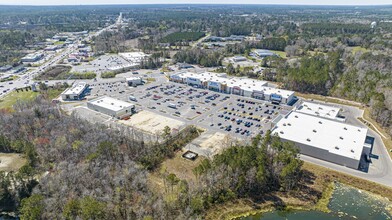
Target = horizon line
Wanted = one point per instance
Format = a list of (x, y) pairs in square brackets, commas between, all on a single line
[(119, 4)]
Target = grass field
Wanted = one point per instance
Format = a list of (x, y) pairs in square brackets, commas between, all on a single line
[(280, 53), (358, 49), (11, 99), (8, 101), (59, 43)]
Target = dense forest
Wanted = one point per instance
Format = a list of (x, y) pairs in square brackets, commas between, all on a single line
[(182, 37), (199, 56)]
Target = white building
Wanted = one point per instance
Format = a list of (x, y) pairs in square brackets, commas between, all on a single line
[(315, 109), (76, 92), (134, 81), (113, 107), (32, 57), (239, 86), (124, 67), (134, 57), (239, 59), (264, 53), (325, 139)]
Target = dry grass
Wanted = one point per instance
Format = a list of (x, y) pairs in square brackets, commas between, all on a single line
[(177, 165), (329, 99), (237, 208), (183, 168)]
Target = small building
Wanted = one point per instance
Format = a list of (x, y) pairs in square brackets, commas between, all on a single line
[(5, 68), (73, 59), (52, 48), (76, 92), (324, 139), (19, 69), (239, 59), (264, 53), (34, 57), (112, 107), (134, 81)]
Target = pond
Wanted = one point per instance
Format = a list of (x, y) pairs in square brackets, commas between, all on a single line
[(346, 203)]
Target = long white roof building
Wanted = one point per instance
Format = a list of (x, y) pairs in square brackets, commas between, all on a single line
[(236, 85), (323, 138)]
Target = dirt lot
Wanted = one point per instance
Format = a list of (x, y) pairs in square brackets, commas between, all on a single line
[(214, 142), (11, 161), (152, 123)]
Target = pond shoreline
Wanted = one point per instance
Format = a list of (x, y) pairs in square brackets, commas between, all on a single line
[(323, 178), (321, 206)]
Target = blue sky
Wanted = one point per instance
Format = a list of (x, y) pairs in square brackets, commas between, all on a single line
[(296, 2)]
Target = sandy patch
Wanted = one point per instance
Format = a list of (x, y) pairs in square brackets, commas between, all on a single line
[(11, 161), (214, 142), (152, 122)]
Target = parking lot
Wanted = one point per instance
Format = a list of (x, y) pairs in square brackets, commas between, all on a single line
[(218, 112), (101, 64)]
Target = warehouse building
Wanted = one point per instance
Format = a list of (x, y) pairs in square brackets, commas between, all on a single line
[(76, 92), (112, 107), (5, 68), (52, 48), (239, 59), (34, 57), (239, 86), (134, 57), (264, 53), (124, 67), (324, 139), (134, 81)]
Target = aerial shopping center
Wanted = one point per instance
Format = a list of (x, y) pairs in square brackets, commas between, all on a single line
[(219, 82)]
